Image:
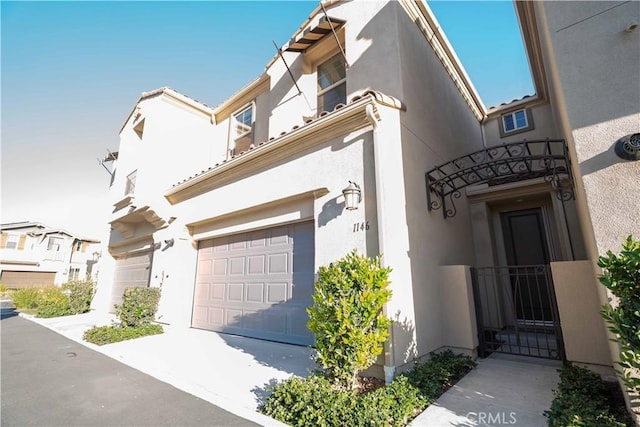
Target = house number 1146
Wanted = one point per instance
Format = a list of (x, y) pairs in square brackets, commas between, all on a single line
[(360, 226)]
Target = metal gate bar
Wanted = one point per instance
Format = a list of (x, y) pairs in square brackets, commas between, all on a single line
[(517, 312)]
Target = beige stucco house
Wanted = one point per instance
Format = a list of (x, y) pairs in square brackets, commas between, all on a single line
[(491, 218), (35, 255)]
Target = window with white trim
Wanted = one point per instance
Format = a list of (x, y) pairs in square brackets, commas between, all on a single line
[(74, 273), (130, 185), (516, 122), (242, 129), (332, 83)]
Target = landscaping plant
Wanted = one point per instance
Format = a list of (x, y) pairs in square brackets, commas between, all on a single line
[(139, 306), (136, 314), (51, 302), (316, 401), (347, 316), (25, 298), (581, 400), (80, 293), (622, 277)]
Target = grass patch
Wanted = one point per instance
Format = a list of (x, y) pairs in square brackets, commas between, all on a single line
[(102, 335), (317, 400), (584, 399)]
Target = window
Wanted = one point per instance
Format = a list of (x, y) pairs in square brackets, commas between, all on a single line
[(332, 84), (54, 244), (12, 241), (78, 246), (242, 129), (74, 273), (130, 186), (516, 122)]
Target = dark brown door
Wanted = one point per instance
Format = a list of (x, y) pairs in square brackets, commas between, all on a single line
[(528, 256)]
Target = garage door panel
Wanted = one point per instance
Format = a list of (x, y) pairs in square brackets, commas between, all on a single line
[(131, 271), (264, 294), (255, 293), (27, 279), (277, 292), (256, 264)]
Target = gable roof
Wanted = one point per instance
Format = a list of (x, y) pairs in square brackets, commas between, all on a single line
[(165, 90)]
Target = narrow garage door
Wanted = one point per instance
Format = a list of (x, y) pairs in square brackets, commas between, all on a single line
[(257, 284), (27, 279), (131, 271)]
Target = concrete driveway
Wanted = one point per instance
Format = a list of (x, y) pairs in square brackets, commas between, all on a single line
[(229, 371), (50, 380)]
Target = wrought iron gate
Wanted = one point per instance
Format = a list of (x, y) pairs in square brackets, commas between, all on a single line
[(517, 312)]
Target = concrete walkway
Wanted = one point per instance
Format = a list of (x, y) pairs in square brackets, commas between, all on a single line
[(233, 372), (501, 390)]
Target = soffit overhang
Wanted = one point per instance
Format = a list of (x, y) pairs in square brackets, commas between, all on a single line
[(127, 223)]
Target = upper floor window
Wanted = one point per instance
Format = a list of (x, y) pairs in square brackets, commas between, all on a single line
[(130, 186), (516, 122), (78, 246), (332, 83), (54, 244), (242, 129), (12, 241)]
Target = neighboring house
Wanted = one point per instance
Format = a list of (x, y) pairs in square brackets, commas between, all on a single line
[(492, 219), (34, 255)]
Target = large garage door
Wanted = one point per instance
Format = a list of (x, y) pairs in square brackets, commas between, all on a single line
[(132, 271), (27, 279), (257, 284)]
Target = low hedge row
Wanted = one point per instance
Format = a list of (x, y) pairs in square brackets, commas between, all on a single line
[(73, 297), (102, 335), (317, 401), (582, 400)]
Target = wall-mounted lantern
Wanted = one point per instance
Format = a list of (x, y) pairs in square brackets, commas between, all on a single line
[(352, 196)]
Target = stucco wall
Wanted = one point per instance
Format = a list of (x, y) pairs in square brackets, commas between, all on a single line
[(595, 71), (437, 127), (583, 330), (544, 127)]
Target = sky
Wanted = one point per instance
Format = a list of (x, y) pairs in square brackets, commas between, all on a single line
[(72, 71)]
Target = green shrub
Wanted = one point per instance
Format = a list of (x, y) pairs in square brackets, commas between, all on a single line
[(347, 318), (51, 302), (101, 335), (440, 372), (139, 306), (580, 400), (622, 277), (25, 298), (80, 293), (317, 401)]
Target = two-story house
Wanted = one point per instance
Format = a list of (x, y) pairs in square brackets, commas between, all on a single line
[(35, 255), (365, 132)]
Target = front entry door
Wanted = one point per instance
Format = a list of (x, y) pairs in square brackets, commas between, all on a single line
[(527, 250)]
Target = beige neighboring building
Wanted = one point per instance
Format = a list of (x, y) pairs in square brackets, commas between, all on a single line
[(35, 255), (492, 219)]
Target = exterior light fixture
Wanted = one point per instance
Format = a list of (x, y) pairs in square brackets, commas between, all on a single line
[(628, 147), (352, 196)]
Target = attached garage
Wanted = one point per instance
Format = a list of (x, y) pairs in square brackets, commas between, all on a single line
[(27, 279), (131, 271), (257, 284)]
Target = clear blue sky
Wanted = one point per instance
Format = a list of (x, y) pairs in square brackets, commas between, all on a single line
[(72, 71)]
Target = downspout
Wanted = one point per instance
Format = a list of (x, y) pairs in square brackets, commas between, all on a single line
[(389, 358)]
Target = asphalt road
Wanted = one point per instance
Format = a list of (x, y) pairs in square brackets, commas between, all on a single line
[(49, 380)]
